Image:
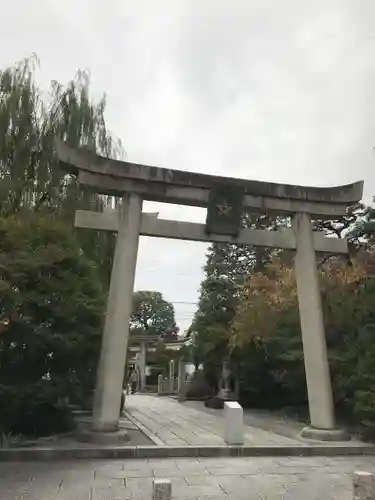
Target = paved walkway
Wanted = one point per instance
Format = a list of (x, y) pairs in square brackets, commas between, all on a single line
[(179, 424), (191, 424), (198, 479)]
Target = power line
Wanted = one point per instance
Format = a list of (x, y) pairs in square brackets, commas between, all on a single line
[(182, 302)]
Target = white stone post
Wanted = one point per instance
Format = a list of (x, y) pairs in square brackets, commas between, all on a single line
[(142, 367), (233, 423), (116, 329), (160, 384), (181, 380), (312, 326), (171, 376), (363, 486), (161, 489)]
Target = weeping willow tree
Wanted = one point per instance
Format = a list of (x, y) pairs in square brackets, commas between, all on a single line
[(30, 177)]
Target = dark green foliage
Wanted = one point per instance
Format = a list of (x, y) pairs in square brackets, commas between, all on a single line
[(51, 309), (198, 387), (258, 385), (227, 267), (224, 271), (152, 315), (348, 224), (37, 413), (352, 353)]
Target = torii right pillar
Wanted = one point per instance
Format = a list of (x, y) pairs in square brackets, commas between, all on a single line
[(319, 388)]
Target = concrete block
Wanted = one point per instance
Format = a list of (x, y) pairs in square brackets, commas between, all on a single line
[(363, 486), (233, 423), (161, 489)]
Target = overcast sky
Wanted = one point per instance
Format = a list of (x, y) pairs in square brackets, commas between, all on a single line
[(271, 90)]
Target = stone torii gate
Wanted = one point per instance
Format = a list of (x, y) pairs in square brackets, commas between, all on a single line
[(225, 199), (143, 341)]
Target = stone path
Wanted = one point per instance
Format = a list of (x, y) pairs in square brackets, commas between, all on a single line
[(198, 479), (191, 424), (179, 424), (272, 421)]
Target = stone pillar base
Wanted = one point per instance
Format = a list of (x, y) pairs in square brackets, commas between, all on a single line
[(324, 434), (103, 438)]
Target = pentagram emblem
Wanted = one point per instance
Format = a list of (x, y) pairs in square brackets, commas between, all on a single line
[(224, 209)]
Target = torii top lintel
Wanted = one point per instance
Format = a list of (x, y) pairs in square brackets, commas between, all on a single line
[(113, 177)]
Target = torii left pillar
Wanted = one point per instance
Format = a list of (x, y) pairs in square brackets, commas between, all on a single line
[(111, 368)]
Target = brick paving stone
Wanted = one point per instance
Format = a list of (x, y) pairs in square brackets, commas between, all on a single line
[(70, 491), (289, 478)]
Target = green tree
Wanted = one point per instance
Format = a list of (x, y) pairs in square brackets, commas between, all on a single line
[(268, 319), (343, 226), (356, 226), (51, 309), (152, 315), (30, 176), (362, 231), (227, 267)]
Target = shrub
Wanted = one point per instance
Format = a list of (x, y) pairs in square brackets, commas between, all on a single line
[(198, 388), (51, 309), (38, 413)]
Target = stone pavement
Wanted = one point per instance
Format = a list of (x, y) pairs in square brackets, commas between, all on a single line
[(200, 479), (273, 421), (178, 424), (181, 424)]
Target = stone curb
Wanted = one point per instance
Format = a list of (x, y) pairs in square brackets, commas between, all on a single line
[(157, 441), (133, 452)]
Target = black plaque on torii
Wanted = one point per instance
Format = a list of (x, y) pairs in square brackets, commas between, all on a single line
[(224, 210)]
